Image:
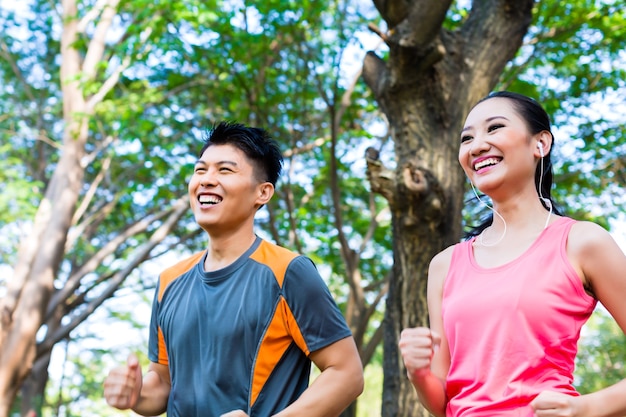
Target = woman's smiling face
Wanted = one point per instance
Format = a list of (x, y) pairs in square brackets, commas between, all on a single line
[(496, 145)]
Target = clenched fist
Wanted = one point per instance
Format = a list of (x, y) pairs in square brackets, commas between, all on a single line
[(123, 384), (417, 346)]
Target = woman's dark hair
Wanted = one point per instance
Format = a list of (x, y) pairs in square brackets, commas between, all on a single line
[(537, 121), (254, 142)]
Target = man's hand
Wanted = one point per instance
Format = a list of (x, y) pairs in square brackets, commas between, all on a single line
[(235, 413), (123, 384)]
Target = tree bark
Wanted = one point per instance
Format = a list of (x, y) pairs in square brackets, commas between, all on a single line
[(39, 259), (34, 388), (425, 88), (23, 309)]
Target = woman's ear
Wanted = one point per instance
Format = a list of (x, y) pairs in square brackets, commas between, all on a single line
[(544, 143)]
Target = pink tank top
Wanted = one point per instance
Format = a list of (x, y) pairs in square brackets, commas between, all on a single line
[(512, 330)]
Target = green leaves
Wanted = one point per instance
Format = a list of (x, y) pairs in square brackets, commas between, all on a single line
[(601, 354), (573, 63)]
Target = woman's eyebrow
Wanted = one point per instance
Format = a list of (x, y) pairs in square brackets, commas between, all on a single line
[(490, 119)]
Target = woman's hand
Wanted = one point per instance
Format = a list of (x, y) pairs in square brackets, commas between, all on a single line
[(417, 346), (555, 404)]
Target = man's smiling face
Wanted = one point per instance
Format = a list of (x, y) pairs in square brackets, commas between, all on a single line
[(223, 189)]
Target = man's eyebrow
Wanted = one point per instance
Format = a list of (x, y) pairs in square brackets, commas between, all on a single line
[(224, 162), (490, 119), (227, 162)]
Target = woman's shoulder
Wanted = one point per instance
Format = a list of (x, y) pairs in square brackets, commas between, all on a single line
[(601, 263), (585, 235), (440, 264), (443, 257), (588, 246)]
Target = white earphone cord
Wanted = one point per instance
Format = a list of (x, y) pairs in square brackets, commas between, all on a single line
[(545, 200), (495, 212)]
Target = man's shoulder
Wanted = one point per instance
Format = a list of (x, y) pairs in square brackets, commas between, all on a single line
[(275, 257), (268, 252), (171, 273), (183, 266)]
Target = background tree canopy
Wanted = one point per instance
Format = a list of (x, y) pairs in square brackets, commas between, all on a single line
[(103, 104)]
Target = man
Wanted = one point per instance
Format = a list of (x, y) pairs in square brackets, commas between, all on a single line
[(234, 328)]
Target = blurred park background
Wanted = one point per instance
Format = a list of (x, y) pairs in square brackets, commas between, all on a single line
[(103, 104)]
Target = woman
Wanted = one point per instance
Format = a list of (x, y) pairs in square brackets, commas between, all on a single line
[(506, 306)]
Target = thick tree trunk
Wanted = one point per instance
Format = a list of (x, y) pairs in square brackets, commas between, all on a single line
[(30, 303), (40, 256), (425, 88), (426, 216), (34, 387), (17, 352)]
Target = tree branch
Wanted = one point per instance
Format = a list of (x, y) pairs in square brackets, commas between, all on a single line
[(91, 192), (91, 15), (97, 45), (79, 229), (382, 180), (6, 54), (108, 84), (375, 74), (142, 253), (140, 226)]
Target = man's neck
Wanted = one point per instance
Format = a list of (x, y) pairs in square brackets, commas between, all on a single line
[(223, 251)]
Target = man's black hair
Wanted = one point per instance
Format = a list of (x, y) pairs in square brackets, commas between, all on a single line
[(254, 142)]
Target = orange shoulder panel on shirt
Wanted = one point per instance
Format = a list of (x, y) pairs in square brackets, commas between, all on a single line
[(281, 331), (163, 358), (275, 257), (173, 272), (166, 278)]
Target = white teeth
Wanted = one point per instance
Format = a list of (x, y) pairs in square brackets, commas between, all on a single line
[(209, 199), (486, 162)]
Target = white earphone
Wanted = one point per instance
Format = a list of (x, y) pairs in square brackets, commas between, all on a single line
[(547, 202)]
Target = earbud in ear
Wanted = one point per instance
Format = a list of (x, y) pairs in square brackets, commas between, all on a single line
[(540, 149)]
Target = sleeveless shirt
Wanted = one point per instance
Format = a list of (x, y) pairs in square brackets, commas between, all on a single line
[(513, 329)]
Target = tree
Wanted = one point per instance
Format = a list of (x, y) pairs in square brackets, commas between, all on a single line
[(68, 263), (430, 80), (441, 60)]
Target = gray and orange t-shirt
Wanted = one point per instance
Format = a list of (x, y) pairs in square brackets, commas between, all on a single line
[(239, 337)]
